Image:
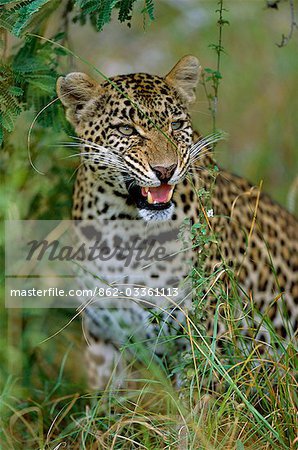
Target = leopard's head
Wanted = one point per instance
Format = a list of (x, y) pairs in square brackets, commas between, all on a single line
[(135, 129)]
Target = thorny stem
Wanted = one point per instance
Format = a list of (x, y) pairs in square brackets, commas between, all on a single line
[(286, 38), (219, 51), (214, 75)]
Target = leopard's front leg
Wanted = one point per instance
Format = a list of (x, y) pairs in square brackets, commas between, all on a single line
[(105, 364)]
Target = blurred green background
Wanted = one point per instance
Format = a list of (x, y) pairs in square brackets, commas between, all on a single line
[(257, 107)]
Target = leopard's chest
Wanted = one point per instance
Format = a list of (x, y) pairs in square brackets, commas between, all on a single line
[(135, 275)]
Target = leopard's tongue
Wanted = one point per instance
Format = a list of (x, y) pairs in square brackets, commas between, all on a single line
[(160, 194)]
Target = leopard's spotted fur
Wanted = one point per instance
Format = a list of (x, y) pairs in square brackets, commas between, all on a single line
[(131, 123)]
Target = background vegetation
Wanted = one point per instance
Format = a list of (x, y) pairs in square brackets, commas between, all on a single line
[(43, 404)]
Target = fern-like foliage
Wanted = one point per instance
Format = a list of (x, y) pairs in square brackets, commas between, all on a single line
[(10, 103), (149, 8), (100, 11), (21, 16), (28, 82)]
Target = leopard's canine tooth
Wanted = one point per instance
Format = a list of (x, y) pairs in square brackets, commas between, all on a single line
[(170, 194), (149, 198)]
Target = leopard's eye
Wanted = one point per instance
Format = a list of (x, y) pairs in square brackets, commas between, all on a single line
[(127, 130), (178, 125)]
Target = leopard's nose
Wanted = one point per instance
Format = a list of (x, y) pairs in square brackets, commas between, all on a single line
[(164, 173)]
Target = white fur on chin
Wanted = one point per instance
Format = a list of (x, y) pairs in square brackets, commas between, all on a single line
[(157, 216)]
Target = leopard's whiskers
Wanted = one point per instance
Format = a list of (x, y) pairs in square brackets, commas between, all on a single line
[(131, 184), (196, 149), (102, 159), (103, 154)]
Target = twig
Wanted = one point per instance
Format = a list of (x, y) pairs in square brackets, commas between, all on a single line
[(214, 76), (220, 49), (286, 38)]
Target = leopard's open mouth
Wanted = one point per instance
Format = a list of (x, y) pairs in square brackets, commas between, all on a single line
[(153, 198)]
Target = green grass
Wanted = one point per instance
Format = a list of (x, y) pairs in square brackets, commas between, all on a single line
[(254, 405), (256, 410)]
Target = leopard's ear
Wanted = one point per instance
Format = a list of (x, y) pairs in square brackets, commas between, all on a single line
[(75, 90), (185, 76)]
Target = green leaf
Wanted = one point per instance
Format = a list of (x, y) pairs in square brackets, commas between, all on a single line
[(43, 86), (150, 9), (125, 10), (207, 70), (7, 121), (7, 2), (15, 90), (25, 15), (105, 13)]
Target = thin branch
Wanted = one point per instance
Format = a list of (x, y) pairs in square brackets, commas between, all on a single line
[(286, 38)]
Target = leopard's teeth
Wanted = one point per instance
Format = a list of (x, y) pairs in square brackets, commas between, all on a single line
[(149, 197), (146, 189), (170, 195)]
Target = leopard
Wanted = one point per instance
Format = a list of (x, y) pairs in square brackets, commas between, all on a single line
[(142, 161)]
